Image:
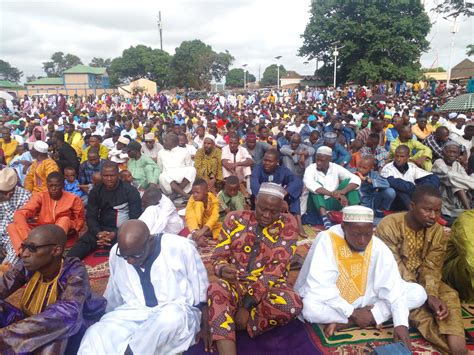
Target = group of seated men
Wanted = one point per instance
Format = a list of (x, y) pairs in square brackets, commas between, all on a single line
[(252, 212)]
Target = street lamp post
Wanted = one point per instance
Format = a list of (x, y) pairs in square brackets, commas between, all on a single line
[(454, 30), (278, 71), (245, 84)]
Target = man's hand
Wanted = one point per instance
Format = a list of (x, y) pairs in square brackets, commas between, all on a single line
[(204, 333), (104, 238), (284, 207), (229, 273), (363, 317), (343, 200), (439, 308), (400, 333), (336, 194), (241, 318)]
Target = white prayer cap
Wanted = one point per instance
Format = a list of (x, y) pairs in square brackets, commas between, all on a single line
[(291, 129), (41, 147), (324, 150), (123, 140), (452, 115), (211, 137), (149, 137), (462, 115), (272, 189), (357, 214)]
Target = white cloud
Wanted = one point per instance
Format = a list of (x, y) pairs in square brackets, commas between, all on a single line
[(254, 31)]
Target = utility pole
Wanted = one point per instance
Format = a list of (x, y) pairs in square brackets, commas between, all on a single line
[(454, 30), (160, 29), (278, 71), (245, 75), (335, 54)]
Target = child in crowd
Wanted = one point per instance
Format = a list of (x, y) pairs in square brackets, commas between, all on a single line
[(126, 176), (375, 191), (202, 213), (355, 147), (71, 184), (230, 199)]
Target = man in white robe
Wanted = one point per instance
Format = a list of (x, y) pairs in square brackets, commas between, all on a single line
[(350, 277), (177, 170), (155, 294), (159, 213)]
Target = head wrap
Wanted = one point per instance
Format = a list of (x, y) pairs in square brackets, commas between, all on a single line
[(8, 179), (211, 137), (324, 151), (272, 189), (123, 140), (357, 214), (149, 137), (311, 118), (41, 147), (330, 137)]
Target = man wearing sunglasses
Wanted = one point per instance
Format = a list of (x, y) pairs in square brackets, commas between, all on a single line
[(155, 295), (57, 304)]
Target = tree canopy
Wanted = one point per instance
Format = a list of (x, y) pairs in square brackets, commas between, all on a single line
[(456, 7), (470, 50), (100, 62), (270, 75), (235, 78), (60, 62), (9, 72), (381, 39), (140, 62), (195, 64)]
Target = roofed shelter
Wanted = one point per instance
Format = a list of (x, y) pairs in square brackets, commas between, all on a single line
[(463, 70)]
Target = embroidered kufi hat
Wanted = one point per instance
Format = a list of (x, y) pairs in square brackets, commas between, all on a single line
[(358, 214)]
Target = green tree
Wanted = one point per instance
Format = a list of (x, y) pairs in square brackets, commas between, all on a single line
[(59, 63), (100, 62), (9, 72), (195, 64), (470, 50), (140, 62), (380, 39), (270, 75), (456, 7), (31, 78), (235, 78), (220, 67)]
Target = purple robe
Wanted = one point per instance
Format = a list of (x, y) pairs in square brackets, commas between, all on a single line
[(60, 327)]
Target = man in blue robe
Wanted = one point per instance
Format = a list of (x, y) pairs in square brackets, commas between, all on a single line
[(271, 171)]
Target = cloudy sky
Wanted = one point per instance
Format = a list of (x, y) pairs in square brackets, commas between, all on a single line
[(254, 31)]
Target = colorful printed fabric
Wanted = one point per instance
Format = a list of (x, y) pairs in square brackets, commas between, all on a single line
[(263, 256)]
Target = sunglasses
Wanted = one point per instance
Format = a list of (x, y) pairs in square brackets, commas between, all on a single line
[(33, 248), (137, 256)]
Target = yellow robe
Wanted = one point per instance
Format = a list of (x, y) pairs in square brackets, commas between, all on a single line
[(9, 149), (458, 271), (198, 215), (420, 257), (75, 141), (35, 179), (103, 153)]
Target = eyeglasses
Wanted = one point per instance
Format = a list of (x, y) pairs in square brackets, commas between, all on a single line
[(138, 256), (33, 248)]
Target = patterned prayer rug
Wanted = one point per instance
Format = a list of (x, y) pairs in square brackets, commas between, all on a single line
[(355, 340)]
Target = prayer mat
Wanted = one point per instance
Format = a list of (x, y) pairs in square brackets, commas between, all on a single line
[(290, 339), (355, 340)]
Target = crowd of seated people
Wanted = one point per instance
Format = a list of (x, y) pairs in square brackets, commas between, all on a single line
[(149, 184)]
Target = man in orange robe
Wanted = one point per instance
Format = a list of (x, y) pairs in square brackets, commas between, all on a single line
[(53, 206)]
